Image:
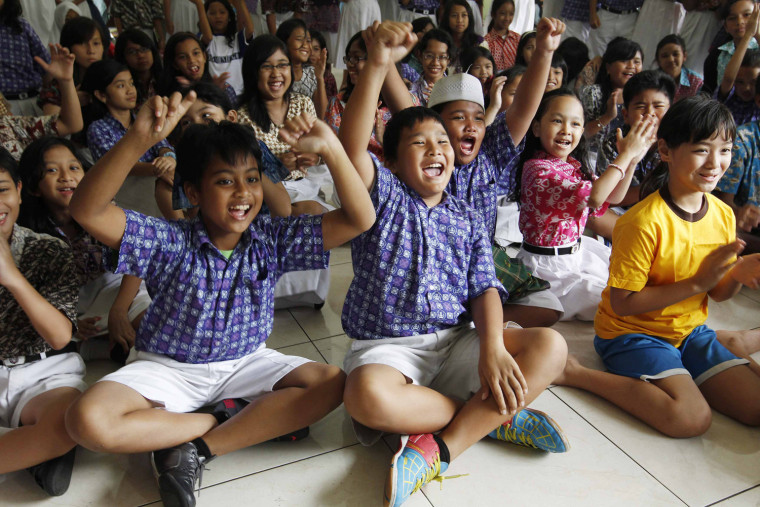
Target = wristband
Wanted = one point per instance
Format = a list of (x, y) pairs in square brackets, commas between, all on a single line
[(170, 154), (615, 166)]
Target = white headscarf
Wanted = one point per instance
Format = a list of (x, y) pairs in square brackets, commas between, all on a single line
[(59, 17)]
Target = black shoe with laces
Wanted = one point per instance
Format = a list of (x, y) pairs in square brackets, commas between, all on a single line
[(177, 469), (54, 475)]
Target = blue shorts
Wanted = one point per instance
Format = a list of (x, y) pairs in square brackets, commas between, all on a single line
[(647, 357)]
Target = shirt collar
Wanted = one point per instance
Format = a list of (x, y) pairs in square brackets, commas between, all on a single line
[(570, 160), (684, 77), (200, 235), (729, 47)]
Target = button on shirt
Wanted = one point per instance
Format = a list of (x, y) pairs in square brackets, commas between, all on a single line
[(207, 308), (491, 174), (417, 268)]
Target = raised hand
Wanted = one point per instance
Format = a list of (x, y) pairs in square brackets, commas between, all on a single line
[(548, 34), (159, 115), (307, 134), (61, 66), (389, 41), (638, 140)]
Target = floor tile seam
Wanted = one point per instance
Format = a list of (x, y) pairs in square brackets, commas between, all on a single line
[(619, 448), (158, 502), (734, 495)]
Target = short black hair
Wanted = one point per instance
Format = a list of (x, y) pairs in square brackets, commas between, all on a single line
[(81, 29), (512, 72), (9, 165), (231, 29), (228, 141), (406, 118), (420, 23), (751, 58), (435, 34), (210, 94), (649, 80), (10, 14), (470, 55), (575, 53), (558, 62), (524, 39), (286, 29)]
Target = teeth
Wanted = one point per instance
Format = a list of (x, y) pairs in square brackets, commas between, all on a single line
[(2, 216), (241, 207)]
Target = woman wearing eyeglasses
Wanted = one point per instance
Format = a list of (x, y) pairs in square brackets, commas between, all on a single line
[(434, 51), (356, 57)]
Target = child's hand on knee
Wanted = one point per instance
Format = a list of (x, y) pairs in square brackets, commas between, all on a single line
[(389, 41), (716, 265), (500, 376)]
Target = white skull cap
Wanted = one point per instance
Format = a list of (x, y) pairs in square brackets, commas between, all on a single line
[(457, 87)]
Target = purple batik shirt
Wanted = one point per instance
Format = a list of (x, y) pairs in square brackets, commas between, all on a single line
[(491, 174), (19, 72), (102, 135), (575, 10), (421, 5), (417, 268), (208, 308), (743, 112)]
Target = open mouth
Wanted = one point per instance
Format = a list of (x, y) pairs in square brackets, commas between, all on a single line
[(239, 211), (3, 216), (276, 85), (67, 191), (194, 70), (433, 170), (565, 143), (467, 145)]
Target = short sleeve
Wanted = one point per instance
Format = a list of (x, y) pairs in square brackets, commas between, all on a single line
[(37, 48), (149, 246), (299, 244), (499, 146), (633, 251), (384, 182)]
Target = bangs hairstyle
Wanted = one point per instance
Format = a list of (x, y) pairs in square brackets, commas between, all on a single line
[(725, 10), (421, 23), (9, 165), (575, 53), (230, 31), (168, 83), (689, 120), (97, 78), (533, 143), (495, 6), (261, 48), (619, 49), (669, 39), (524, 39), (80, 30), (34, 212), (649, 80), (512, 73), (287, 28), (435, 34), (10, 13), (140, 38), (362, 47), (316, 35), (559, 63), (470, 55), (469, 37), (406, 118), (230, 142), (210, 94)]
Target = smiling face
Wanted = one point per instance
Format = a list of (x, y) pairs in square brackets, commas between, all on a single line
[(435, 60), (425, 160), (670, 58), (465, 122), (359, 57), (555, 79), (503, 17), (61, 176), (316, 48), (229, 197), (744, 85), (458, 20), (88, 52), (190, 59), (482, 68), (529, 49), (10, 202), (561, 126), (737, 19), (299, 45), (652, 104), (274, 76), (621, 71), (138, 58), (218, 18), (121, 94), (695, 168)]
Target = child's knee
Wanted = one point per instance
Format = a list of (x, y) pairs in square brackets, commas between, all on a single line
[(365, 398), (553, 347), (90, 425), (687, 421)]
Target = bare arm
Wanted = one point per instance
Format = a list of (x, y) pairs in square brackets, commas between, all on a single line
[(206, 34), (91, 204), (61, 68), (245, 17), (320, 94), (530, 91), (276, 197), (395, 93), (357, 213), (732, 68)]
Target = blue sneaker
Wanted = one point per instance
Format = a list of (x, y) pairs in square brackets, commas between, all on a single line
[(417, 462), (532, 428)]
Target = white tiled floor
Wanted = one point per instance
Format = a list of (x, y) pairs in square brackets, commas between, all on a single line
[(614, 459)]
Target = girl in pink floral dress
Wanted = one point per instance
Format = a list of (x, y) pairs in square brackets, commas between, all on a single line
[(558, 192)]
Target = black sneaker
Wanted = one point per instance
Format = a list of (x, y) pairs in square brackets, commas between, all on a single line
[(230, 407), (54, 475), (177, 469)]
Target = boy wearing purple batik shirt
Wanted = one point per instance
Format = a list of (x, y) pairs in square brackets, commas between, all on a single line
[(424, 308), (212, 282)]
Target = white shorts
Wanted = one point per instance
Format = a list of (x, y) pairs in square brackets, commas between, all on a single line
[(184, 387), (576, 279), (97, 297), (19, 384)]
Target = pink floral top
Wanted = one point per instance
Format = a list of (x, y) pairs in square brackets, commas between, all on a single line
[(554, 201)]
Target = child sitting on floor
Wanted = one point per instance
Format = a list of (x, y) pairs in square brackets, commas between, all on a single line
[(423, 274), (39, 377), (670, 252), (212, 280)]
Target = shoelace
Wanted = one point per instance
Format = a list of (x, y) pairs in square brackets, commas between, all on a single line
[(431, 474), (523, 438)]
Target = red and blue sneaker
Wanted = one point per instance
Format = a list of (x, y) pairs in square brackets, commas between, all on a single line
[(532, 428), (417, 462)]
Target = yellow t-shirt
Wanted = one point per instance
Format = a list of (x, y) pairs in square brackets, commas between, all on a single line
[(653, 245)]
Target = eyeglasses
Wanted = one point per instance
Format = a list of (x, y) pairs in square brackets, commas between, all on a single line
[(268, 67), (353, 60), (136, 51), (438, 58)]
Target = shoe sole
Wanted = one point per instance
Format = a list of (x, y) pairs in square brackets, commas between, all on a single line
[(168, 488), (389, 494)]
